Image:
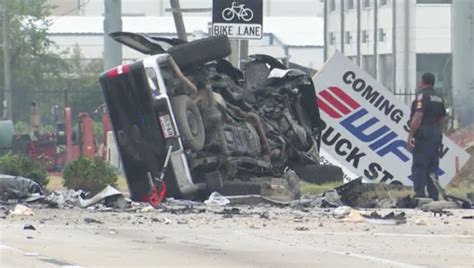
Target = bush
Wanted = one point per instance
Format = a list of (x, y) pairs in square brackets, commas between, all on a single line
[(90, 175), (18, 165)]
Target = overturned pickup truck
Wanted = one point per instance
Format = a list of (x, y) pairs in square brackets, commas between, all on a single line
[(187, 122)]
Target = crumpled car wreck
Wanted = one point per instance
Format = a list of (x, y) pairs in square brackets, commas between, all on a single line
[(187, 122)]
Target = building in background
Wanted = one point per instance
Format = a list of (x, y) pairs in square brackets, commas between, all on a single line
[(279, 8), (293, 31), (292, 39), (394, 41)]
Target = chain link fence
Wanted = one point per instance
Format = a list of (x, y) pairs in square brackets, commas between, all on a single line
[(79, 101)]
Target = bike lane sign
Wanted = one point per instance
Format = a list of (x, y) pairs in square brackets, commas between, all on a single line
[(238, 19)]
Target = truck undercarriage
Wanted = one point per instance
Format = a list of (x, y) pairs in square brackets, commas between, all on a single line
[(186, 115)]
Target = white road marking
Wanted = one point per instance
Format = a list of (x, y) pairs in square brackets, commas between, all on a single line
[(40, 257), (394, 234), (344, 253), (372, 258)]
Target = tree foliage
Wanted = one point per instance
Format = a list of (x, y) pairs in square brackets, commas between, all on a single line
[(84, 85), (35, 62), (40, 70)]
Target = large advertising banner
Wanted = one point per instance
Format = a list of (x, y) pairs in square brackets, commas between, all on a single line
[(367, 126)]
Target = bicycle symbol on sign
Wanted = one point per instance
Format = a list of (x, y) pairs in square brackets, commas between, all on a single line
[(242, 13)]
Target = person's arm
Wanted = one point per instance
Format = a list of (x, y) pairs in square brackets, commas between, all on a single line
[(415, 122)]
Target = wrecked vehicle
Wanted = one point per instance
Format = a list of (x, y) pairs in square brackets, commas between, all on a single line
[(187, 122)]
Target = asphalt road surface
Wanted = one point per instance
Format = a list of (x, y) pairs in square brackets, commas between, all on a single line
[(268, 237)]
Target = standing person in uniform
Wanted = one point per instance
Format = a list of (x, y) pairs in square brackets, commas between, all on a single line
[(425, 138)]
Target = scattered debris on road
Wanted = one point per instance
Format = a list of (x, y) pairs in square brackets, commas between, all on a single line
[(182, 221), (29, 227), (441, 212), (64, 198), (302, 228), (110, 196), (392, 218), (216, 200), (92, 220), (147, 209), (421, 222), (341, 212), (21, 210)]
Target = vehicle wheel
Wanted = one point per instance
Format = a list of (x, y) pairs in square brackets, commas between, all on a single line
[(200, 51), (319, 173), (189, 122)]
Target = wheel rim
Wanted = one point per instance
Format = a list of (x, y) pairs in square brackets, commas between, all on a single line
[(192, 122)]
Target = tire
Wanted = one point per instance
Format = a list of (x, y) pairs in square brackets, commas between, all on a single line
[(319, 173), (189, 121), (201, 51)]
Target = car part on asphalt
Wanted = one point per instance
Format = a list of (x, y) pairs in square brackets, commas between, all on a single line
[(29, 227), (15, 187), (319, 174), (392, 218), (107, 193), (462, 202)]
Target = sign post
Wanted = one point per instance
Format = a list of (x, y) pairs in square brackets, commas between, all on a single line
[(238, 19)]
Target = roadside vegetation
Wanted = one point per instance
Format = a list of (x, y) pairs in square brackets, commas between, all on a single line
[(90, 175), (18, 165)]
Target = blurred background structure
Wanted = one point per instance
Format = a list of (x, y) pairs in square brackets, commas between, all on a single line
[(395, 41)]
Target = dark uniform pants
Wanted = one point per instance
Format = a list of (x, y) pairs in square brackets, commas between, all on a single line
[(426, 160)]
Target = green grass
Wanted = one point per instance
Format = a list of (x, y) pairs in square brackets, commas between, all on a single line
[(315, 189), (57, 183), (460, 191)]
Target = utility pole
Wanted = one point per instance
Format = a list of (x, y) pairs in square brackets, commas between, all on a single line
[(7, 89), (326, 44), (463, 50), (376, 37), (178, 20), (112, 23)]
